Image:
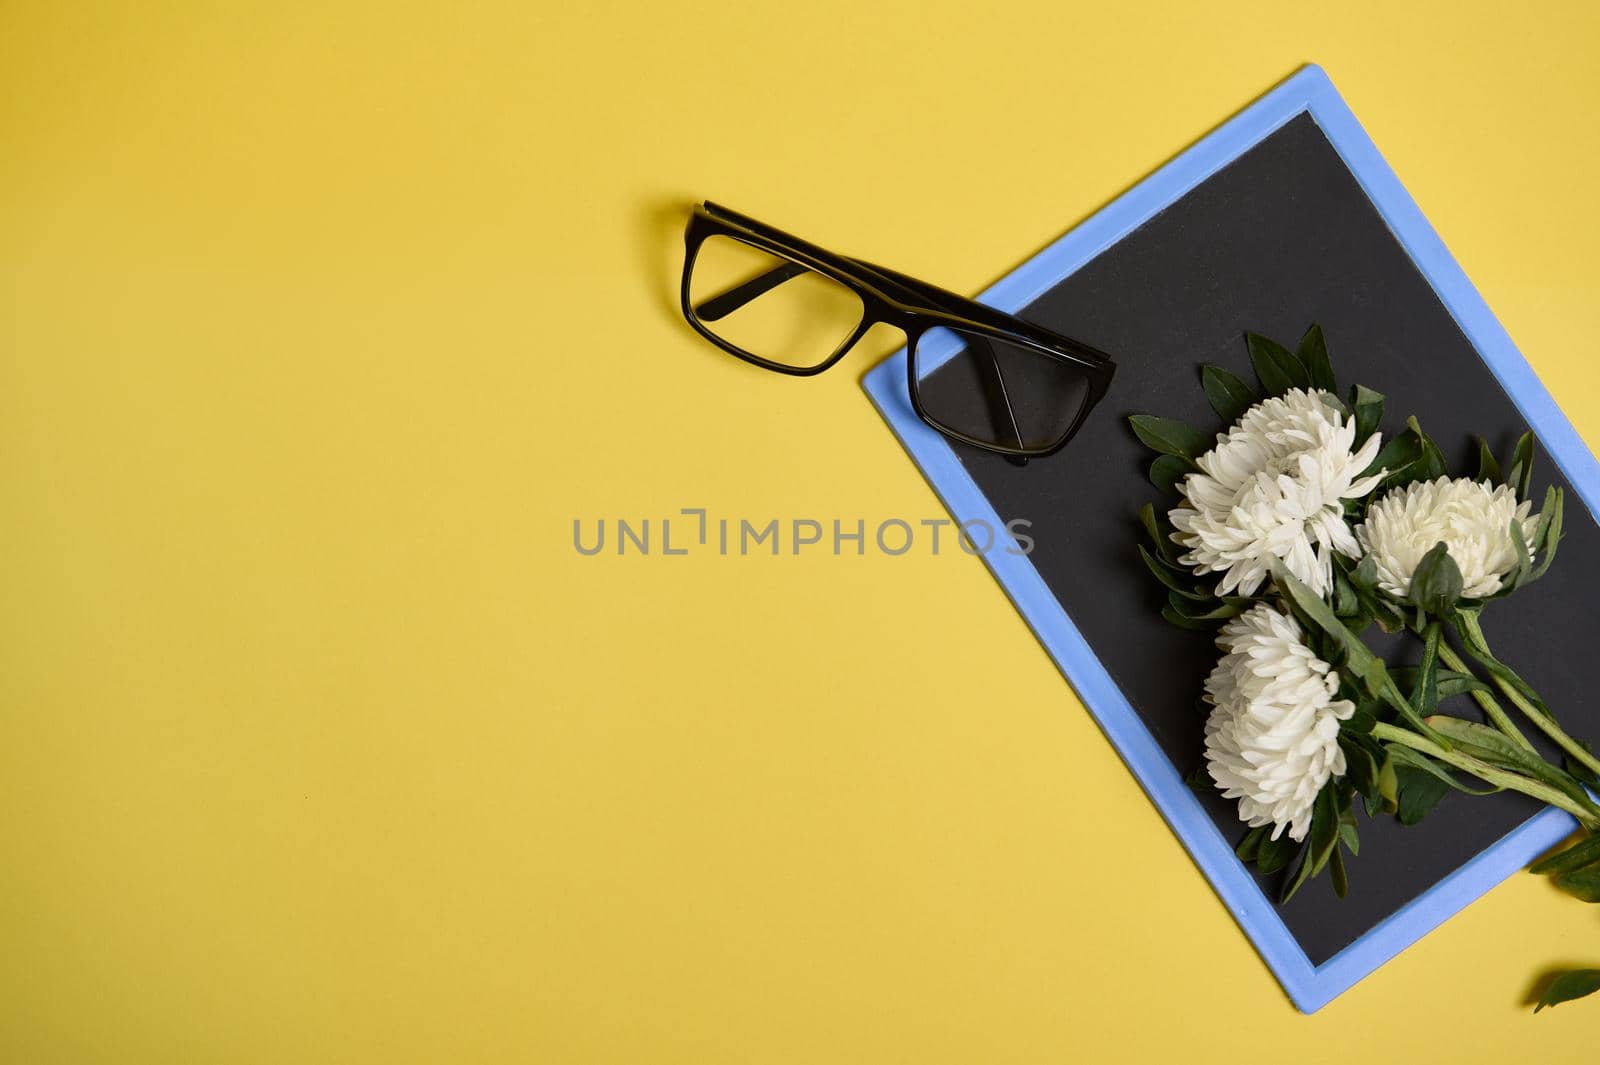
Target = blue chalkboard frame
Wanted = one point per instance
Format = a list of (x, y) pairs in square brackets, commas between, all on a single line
[(1309, 90)]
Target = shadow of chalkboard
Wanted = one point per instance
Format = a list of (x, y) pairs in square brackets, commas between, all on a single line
[(1282, 237)]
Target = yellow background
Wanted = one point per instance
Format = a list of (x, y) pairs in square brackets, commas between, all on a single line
[(319, 326)]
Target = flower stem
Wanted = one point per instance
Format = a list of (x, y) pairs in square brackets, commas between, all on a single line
[(1503, 675), (1487, 773), (1490, 705)]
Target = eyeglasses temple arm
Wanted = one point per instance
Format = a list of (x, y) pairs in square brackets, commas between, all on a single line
[(722, 305)]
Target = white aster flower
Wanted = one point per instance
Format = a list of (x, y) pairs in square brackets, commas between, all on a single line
[(1273, 489), (1272, 740), (1471, 518)]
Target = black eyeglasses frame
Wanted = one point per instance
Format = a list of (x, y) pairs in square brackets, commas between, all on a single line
[(892, 298)]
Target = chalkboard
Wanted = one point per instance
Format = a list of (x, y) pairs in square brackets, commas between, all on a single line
[(1278, 232)]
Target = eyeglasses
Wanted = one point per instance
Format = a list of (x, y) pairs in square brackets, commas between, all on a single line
[(977, 375)]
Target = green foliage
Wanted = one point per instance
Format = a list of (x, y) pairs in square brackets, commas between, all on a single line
[(1367, 407), (1488, 467), (1167, 576), (1333, 826), (1493, 746), (1195, 608), (1169, 437), (1313, 355), (1228, 395), (1159, 532), (1338, 874), (1568, 986), (1425, 694), (1200, 782), (1541, 546), (1450, 683), (1349, 650), (1192, 602), (1250, 846), (1519, 471), (1398, 458), (1321, 841), (1431, 466), (1421, 782), (1168, 470), (1580, 883), (1373, 604), (1274, 855), (1575, 870), (1420, 792), (1575, 857), (1277, 368), (1390, 776), (1436, 582), (1547, 533), (1365, 765), (1580, 771)]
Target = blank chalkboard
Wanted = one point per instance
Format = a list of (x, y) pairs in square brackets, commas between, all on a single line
[(1281, 236)]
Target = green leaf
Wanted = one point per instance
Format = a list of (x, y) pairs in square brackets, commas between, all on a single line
[(1388, 785), (1432, 464), (1274, 854), (1580, 771), (1493, 746), (1436, 581), (1160, 537), (1398, 458), (1169, 437), (1548, 534), (1406, 758), (1420, 792), (1365, 575), (1568, 986), (1321, 842), (1488, 465), (1362, 722), (1570, 860), (1336, 870), (1313, 355), (1349, 837), (1172, 617), (1520, 474), (1210, 609), (1346, 603), (1168, 578), (1501, 671), (1521, 572), (1167, 471), (1580, 883), (1228, 395), (1200, 781), (1361, 768), (1451, 683), (1368, 407), (1276, 366), (1384, 613), (1250, 846), (1425, 697), (1358, 657)]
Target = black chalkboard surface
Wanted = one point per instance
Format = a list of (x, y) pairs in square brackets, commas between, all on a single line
[(1282, 237)]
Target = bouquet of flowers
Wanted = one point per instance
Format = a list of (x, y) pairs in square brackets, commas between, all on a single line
[(1296, 529)]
